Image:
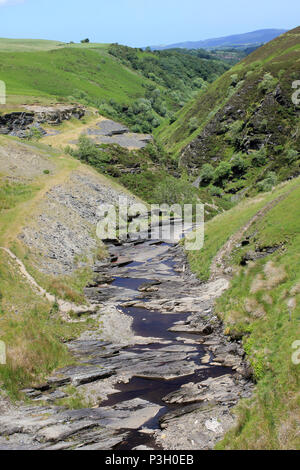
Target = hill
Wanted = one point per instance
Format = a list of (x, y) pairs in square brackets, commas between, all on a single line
[(257, 244), (253, 38), (245, 127), (33, 45), (98, 75)]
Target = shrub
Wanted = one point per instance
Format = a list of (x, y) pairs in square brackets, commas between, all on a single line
[(34, 134), (193, 124), (268, 183), (174, 191), (268, 83), (215, 191), (222, 172), (238, 165), (292, 156), (207, 174), (259, 158)]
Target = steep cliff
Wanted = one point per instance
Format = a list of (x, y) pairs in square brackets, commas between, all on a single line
[(248, 112)]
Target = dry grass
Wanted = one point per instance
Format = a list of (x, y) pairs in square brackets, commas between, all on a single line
[(273, 276)]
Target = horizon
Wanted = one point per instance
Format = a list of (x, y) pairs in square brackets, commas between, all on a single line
[(135, 24), (177, 42)]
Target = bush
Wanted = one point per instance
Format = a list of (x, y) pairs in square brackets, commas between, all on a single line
[(215, 191), (292, 156), (88, 152), (222, 172), (34, 134), (268, 183), (193, 124), (238, 165), (174, 191), (268, 83), (207, 174), (259, 158)]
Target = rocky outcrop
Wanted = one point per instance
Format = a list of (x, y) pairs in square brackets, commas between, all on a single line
[(56, 114), (19, 123), (64, 228)]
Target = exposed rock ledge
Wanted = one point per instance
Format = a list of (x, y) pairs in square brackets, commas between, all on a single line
[(18, 123)]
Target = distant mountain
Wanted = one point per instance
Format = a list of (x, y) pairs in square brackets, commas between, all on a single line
[(259, 37)]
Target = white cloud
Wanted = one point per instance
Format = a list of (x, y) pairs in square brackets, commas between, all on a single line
[(10, 2)]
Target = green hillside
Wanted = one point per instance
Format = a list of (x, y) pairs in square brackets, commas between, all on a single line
[(261, 308), (28, 45), (248, 116), (33, 45), (68, 74), (98, 75)]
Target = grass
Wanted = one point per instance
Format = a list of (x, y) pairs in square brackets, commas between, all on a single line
[(31, 328), (13, 193), (33, 332), (220, 228), (261, 307), (34, 45), (28, 45)]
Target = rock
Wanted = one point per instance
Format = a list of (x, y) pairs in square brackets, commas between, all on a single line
[(147, 286), (143, 448), (91, 376)]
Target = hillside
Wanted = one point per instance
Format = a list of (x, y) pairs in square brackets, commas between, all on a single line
[(34, 45), (48, 204), (253, 38), (257, 245), (245, 120)]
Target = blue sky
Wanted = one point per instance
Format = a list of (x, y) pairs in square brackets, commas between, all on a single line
[(142, 22)]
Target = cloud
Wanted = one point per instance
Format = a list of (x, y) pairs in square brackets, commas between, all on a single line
[(10, 2)]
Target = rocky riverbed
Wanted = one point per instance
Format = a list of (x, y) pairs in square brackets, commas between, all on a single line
[(157, 372)]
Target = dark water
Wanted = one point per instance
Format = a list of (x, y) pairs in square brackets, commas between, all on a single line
[(149, 323), (129, 283)]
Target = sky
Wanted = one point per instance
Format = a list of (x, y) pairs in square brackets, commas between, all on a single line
[(142, 22)]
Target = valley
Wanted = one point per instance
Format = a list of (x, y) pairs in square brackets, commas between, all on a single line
[(137, 343)]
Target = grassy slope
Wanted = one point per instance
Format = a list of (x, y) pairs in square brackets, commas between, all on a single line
[(29, 326), (262, 307), (28, 45), (62, 73), (34, 45), (279, 57)]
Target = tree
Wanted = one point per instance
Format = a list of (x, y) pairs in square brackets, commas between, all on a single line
[(207, 174), (222, 172), (85, 41)]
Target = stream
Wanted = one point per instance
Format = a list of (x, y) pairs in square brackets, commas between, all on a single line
[(158, 371)]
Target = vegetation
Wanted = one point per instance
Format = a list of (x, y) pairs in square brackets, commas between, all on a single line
[(148, 173), (138, 88), (33, 333), (246, 120)]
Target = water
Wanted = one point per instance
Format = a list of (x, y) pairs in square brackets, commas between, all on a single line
[(147, 323)]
